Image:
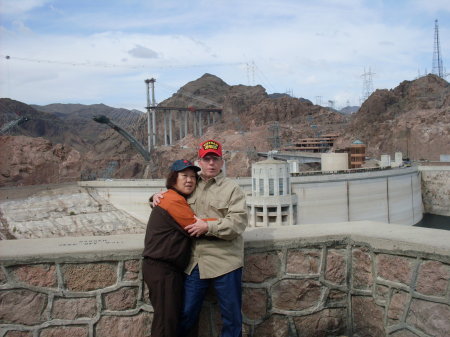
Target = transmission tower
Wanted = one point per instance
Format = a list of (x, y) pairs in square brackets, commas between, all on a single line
[(367, 84), (438, 68), (251, 72), (274, 139)]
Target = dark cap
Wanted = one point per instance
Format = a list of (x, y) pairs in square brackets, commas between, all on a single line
[(181, 164)]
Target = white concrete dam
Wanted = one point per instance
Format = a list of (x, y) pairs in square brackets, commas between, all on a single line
[(391, 196)]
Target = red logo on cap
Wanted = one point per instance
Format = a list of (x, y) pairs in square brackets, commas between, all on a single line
[(210, 146)]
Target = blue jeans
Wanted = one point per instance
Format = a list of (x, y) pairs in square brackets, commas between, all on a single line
[(228, 289)]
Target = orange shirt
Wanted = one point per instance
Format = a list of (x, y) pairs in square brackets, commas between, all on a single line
[(179, 209)]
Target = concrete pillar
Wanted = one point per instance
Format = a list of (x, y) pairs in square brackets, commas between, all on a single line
[(200, 123), (265, 216), (179, 114), (186, 123), (165, 127), (279, 217), (252, 216), (291, 215), (154, 127), (170, 128), (194, 122)]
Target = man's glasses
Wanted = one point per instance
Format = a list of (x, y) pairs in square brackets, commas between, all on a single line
[(214, 159)]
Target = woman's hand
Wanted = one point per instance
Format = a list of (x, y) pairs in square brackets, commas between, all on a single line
[(198, 228)]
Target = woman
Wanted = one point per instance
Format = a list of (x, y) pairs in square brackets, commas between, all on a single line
[(167, 248)]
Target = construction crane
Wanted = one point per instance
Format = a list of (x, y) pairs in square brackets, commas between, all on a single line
[(12, 124), (133, 141)]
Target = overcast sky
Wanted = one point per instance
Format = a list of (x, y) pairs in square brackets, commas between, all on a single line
[(101, 51)]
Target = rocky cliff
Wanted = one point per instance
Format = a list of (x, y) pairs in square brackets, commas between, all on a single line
[(413, 118)]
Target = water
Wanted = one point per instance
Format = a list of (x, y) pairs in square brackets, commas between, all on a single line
[(434, 221)]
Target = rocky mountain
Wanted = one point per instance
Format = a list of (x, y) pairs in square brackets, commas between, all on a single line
[(78, 117), (30, 160), (413, 118), (40, 124), (349, 109)]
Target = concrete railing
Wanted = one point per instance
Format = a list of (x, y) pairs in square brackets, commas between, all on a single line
[(355, 279)]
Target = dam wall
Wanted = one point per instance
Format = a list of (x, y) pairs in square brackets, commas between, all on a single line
[(354, 279), (392, 196)]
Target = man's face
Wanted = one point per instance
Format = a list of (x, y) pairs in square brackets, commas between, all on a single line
[(211, 165)]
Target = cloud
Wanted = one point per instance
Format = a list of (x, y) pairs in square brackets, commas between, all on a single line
[(143, 52), (433, 7), (10, 7)]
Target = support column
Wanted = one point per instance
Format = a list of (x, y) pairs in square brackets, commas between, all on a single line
[(265, 216), (279, 217), (170, 128), (194, 122), (181, 123), (165, 127), (200, 124), (252, 216), (149, 112), (291, 214), (152, 81), (186, 123)]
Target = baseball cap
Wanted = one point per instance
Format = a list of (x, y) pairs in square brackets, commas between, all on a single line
[(210, 146), (181, 164)]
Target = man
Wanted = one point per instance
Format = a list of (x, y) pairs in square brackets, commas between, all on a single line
[(218, 252)]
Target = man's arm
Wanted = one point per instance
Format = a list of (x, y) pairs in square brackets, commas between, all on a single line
[(155, 199), (235, 220)]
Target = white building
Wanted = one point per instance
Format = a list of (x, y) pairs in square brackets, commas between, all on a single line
[(271, 202)]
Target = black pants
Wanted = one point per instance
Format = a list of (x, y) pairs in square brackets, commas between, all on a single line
[(165, 285)]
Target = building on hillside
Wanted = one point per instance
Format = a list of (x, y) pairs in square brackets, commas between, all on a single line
[(318, 145), (272, 202), (357, 154)]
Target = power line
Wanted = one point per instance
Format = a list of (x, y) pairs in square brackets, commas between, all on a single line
[(112, 65)]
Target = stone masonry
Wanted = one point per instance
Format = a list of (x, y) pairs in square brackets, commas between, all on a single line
[(311, 288)]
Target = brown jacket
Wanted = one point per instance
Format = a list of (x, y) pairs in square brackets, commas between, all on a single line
[(166, 241)]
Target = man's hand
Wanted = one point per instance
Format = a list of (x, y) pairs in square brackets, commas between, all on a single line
[(198, 228), (156, 198)]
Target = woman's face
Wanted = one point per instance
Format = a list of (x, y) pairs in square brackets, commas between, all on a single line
[(186, 181)]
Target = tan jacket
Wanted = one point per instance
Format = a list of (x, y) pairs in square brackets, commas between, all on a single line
[(221, 250)]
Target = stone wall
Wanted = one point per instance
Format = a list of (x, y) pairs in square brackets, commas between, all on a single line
[(436, 189), (353, 279)]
